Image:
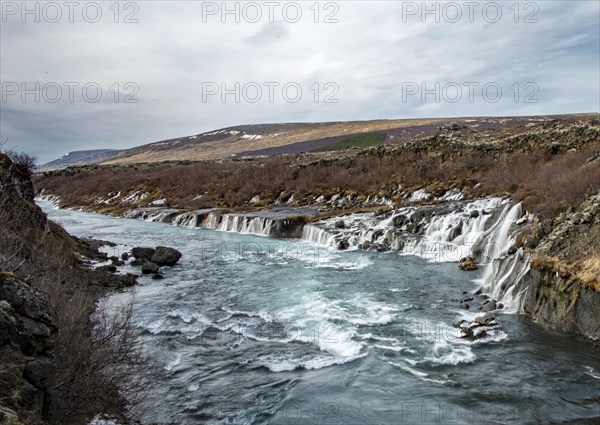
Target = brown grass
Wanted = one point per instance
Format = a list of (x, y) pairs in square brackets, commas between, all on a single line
[(548, 170), (589, 274)]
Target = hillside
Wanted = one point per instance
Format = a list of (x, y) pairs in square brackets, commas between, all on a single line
[(79, 158), (295, 138), (540, 163)]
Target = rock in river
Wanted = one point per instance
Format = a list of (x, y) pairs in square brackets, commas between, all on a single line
[(165, 256), (149, 268), (140, 252)]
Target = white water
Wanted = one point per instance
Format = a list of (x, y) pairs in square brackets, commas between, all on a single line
[(283, 331), (260, 226), (484, 229)]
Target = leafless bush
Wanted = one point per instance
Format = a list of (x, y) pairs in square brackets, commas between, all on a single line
[(23, 160), (99, 353)]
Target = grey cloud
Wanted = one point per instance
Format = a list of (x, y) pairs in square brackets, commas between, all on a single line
[(270, 33), (171, 52)]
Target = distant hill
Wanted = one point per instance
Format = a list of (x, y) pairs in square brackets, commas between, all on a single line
[(294, 138), (79, 158)]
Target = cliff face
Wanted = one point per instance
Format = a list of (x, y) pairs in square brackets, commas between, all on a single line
[(47, 293), (27, 321), (563, 286), (27, 334)]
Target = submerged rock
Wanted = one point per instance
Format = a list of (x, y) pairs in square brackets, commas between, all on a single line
[(165, 256), (150, 267), (459, 323)]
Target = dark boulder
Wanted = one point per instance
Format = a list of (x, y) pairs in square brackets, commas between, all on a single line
[(150, 267), (165, 256), (140, 252), (39, 372), (489, 306), (485, 320), (472, 332)]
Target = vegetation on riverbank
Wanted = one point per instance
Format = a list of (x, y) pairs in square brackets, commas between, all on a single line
[(551, 168), (54, 369)]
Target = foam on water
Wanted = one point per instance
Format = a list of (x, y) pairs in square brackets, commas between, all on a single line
[(275, 364), (445, 354), (590, 371), (417, 373), (260, 314), (173, 362)]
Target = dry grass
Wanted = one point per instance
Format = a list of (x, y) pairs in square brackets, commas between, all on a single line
[(589, 273), (279, 135), (546, 182)]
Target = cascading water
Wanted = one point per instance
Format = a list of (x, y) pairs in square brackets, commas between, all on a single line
[(483, 229), (287, 334), (317, 235)]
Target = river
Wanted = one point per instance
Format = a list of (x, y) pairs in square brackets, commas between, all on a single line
[(252, 330)]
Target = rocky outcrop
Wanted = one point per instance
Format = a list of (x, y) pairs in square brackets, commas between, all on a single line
[(557, 305), (26, 331), (562, 288), (37, 253), (467, 264)]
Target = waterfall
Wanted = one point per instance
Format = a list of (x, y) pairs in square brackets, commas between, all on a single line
[(157, 215), (318, 235), (504, 273), (502, 278), (484, 229), (186, 220), (497, 238), (239, 223)]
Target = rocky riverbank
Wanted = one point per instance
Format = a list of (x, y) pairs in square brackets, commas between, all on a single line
[(51, 368)]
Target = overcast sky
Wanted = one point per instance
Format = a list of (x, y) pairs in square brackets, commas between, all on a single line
[(163, 76)]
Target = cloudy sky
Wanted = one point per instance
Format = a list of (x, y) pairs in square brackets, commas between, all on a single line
[(92, 75)]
